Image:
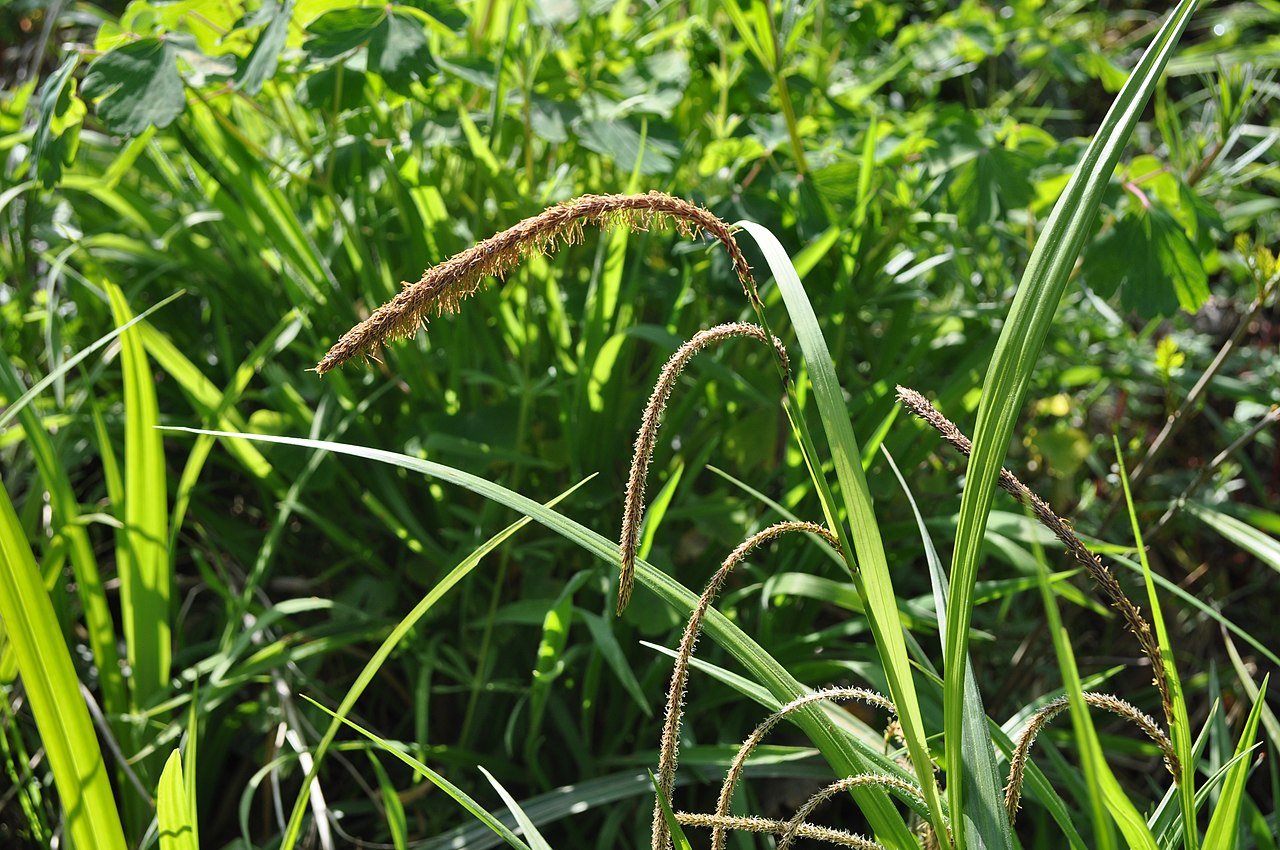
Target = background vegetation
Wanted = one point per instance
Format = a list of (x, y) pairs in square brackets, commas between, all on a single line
[(285, 166)]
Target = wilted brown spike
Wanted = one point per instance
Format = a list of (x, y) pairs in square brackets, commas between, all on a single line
[(442, 287), (647, 437)]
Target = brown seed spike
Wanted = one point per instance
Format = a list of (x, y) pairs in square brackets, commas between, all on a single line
[(442, 287), (669, 748), (1098, 571), (647, 437)]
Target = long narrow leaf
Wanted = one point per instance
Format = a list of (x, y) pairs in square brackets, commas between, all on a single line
[(1017, 350), (865, 558), (143, 552), (173, 813), (53, 691), (1225, 822)]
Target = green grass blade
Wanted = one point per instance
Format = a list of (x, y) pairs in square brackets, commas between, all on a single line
[(678, 839), (391, 805), (84, 563), (1106, 796), (143, 549), (1017, 350), (462, 798), (865, 558), (173, 811), (536, 841), (71, 362), (44, 662), (1224, 824), (986, 815), (834, 745), (1262, 546), (1180, 731), (383, 652)]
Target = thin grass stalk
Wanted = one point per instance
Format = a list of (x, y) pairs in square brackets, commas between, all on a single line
[(1179, 418), (442, 287), (1061, 529), (1050, 710), (739, 763), (669, 749), (1206, 472), (647, 437), (769, 826), (882, 780)]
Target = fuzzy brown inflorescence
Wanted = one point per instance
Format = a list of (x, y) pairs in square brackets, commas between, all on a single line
[(861, 780), (839, 837), (1062, 530), (719, 835), (442, 287), (669, 749), (647, 437), (1050, 710)]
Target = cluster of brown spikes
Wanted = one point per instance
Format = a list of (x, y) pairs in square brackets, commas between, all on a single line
[(444, 286)]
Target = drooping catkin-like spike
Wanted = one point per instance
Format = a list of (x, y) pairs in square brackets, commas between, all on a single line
[(839, 837), (442, 287), (739, 763), (1050, 710), (883, 780), (669, 749), (1062, 530), (647, 437)]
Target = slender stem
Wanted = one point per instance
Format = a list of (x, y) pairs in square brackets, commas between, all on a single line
[(1179, 418), (1272, 416)]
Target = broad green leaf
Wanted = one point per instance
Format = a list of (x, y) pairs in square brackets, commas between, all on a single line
[(396, 41), (1013, 363), (136, 86), (260, 65), (1149, 258), (53, 691), (401, 53), (58, 125), (173, 813)]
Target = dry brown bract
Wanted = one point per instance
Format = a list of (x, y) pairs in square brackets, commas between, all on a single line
[(442, 287)]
